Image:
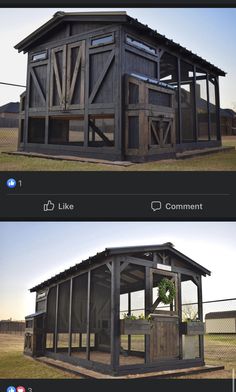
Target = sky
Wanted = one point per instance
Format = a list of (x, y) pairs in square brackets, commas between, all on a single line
[(209, 33), (31, 252)]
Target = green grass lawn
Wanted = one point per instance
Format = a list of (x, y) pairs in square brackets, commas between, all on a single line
[(224, 161), (13, 364), (219, 350)]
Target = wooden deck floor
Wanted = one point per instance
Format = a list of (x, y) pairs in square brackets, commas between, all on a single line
[(86, 373), (103, 357)]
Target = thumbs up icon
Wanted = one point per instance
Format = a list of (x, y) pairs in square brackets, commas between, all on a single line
[(49, 206)]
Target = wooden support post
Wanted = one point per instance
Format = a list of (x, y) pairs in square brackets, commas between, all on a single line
[(88, 317), (195, 105), (217, 92), (70, 313), (115, 314), (148, 305), (179, 105), (80, 339), (179, 309), (56, 320), (129, 313), (200, 316), (208, 108), (27, 103), (86, 94)]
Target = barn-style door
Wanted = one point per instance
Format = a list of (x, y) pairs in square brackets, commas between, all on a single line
[(67, 77), (161, 132)]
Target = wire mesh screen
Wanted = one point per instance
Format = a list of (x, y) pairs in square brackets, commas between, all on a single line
[(63, 307), (100, 307), (220, 328), (8, 137), (79, 304), (51, 310)]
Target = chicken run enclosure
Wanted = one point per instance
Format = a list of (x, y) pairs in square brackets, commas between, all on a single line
[(87, 315), (103, 85)]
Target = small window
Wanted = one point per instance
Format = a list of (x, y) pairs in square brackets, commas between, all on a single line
[(140, 45), (39, 56), (108, 39)]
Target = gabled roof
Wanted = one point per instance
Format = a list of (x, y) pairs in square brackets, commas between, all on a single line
[(220, 315), (168, 246), (112, 17), (11, 107)]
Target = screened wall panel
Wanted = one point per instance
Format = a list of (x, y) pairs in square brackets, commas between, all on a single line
[(202, 106), (169, 75), (79, 303), (187, 102), (100, 311), (63, 307), (213, 108), (51, 309)]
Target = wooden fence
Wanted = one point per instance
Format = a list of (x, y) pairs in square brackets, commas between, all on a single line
[(12, 327)]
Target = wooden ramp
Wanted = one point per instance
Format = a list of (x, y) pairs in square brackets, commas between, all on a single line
[(87, 373)]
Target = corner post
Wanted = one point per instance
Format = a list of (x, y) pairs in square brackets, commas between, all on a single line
[(56, 320), (148, 304), (200, 315), (115, 314)]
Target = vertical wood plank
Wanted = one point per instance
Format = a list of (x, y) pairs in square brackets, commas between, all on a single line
[(115, 314)]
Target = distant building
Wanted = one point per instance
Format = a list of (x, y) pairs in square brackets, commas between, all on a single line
[(221, 322), (228, 122), (9, 115)]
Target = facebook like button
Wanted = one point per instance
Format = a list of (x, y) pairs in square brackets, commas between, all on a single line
[(11, 183), (11, 389)]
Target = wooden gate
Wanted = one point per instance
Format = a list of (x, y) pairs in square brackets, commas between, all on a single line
[(164, 339), (67, 77)]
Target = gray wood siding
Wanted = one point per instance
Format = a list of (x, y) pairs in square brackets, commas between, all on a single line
[(99, 62), (83, 27), (139, 64)]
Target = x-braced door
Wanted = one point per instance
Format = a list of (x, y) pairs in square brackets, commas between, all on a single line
[(67, 77), (161, 132)]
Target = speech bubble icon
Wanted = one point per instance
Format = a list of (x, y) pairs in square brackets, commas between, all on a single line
[(156, 205)]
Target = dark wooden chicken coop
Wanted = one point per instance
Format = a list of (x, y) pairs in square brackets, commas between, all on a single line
[(103, 85), (107, 312)]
